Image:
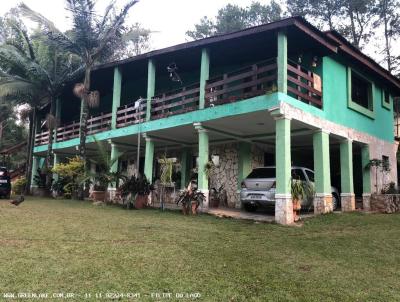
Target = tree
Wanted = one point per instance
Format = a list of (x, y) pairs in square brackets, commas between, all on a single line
[(360, 14), (389, 17), (323, 12), (233, 18), (28, 76), (135, 41), (93, 39), (351, 18)]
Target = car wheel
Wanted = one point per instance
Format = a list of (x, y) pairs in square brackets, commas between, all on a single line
[(250, 207), (335, 201)]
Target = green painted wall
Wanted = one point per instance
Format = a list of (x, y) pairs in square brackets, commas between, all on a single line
[(335, 96), (244, 164), (321, 162), (336, 109)]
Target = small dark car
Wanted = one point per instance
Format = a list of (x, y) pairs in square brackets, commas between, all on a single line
[(5, 183)]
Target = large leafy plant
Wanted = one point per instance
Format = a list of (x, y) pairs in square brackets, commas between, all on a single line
[(70, 176)]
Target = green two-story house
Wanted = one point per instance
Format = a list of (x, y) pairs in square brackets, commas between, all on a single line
[(281, 94)]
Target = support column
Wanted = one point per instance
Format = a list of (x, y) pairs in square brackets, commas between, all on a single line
[(244, 166), (149, 159), (282, 62), (366, 172), (185, 167), (204, 76), (115, 155), (202, 181), (323, 191), (283, 196), (35, 165), (116, 101), (56, 161), (346, 176), (151, 86)]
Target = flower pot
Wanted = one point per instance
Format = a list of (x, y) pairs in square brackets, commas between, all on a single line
[(296, 208), (98, 195), (195, 206), (296, 205), (185, 209), (141, 201)]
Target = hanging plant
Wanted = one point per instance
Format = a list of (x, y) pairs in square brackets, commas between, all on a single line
[(79, 90), (208, 168), (93, 99), (166, 170)]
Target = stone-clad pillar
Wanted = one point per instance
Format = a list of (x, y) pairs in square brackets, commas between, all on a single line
[(346, 176), (323, 191), (283, 196)]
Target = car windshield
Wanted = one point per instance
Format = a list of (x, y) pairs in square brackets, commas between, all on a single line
[(262, 173), (2, 171)]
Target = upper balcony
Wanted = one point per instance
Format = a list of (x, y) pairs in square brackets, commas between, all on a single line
[(234, 86)]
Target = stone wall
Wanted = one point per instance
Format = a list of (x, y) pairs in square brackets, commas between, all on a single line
[(227, 172), (385, 203)]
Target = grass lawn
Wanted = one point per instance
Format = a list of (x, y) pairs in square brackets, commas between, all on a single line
[(52, 246)]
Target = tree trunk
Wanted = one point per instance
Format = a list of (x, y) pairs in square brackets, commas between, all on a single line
[(31, 143), (49, 155), (387, 42), (83, 126)]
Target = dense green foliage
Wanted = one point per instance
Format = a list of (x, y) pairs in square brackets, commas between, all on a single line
[(233, 17), (359, 21)]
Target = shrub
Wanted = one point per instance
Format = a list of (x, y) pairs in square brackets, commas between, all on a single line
[(71, 175), (18, 186)]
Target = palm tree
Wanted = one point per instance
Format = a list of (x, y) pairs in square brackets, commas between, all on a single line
[(26, 80), (93, 39)]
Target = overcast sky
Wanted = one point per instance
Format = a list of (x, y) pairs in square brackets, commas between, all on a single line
[(169, 18)]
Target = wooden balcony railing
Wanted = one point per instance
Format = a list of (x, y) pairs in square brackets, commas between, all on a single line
[(305, 85), (129, 115), (244, 83), (68, 132), (175, 102), (99, 123), (42, 138)]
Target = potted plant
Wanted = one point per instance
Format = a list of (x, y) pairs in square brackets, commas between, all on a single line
[(167, 170), (135, 191), (144, 189), (300, 190), (104, 175), (190, 199), (40, 181)]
